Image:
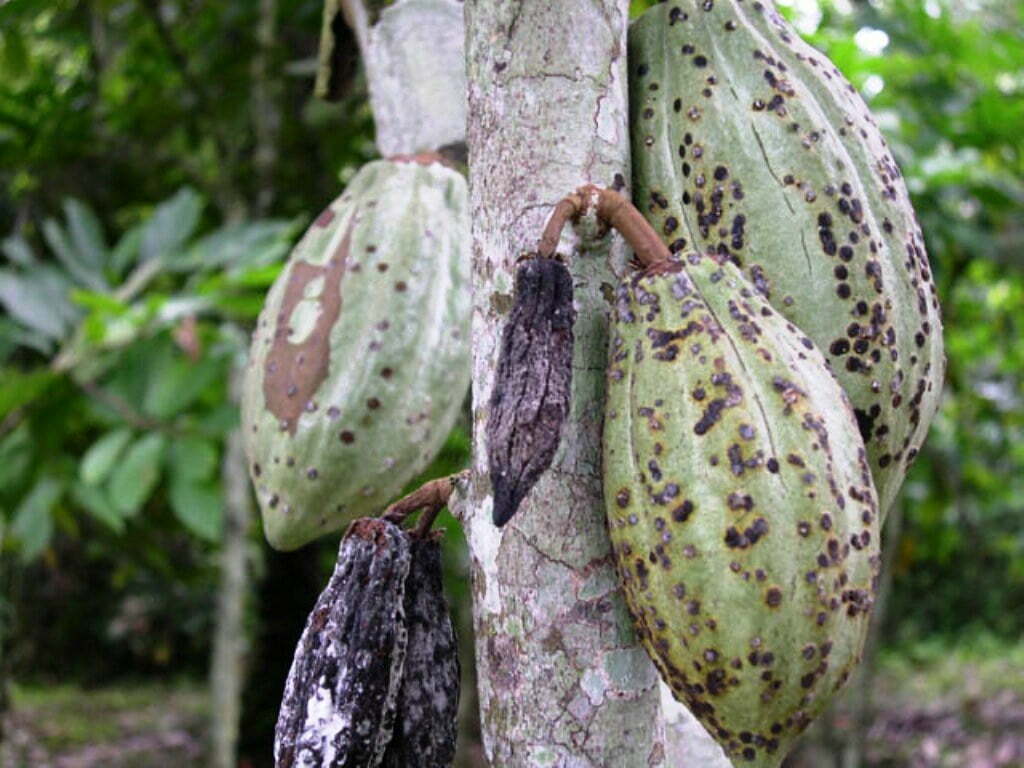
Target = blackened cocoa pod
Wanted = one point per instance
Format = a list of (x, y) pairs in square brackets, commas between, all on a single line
[(428, 702), (530, 399), (339, 702)]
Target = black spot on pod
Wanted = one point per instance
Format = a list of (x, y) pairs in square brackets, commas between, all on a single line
[(340, 697), (428, 702), (530, 399)]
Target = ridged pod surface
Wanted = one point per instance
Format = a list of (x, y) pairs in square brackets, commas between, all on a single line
[(740, 505), (339, 704), (532, 383), (360, 360), (426, 722), (749, 142)]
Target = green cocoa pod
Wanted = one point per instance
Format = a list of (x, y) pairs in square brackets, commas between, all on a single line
[(749, 142), (340, 699), (360, 360), (740, 505)]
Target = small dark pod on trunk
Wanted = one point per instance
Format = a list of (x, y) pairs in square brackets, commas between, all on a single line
[(428, 702), (339, 702), (530, 400)]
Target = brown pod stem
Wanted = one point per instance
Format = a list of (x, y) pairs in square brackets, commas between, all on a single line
[(613, 209), (431, 497)]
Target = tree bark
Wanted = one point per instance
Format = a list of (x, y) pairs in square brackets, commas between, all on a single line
[(562, 681), (230, 641), (413, 55), (266, 114)]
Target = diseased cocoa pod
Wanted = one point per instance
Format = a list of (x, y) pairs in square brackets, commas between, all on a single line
[(339, 702), (749, 142), (741, 509), (428, 702), (360, 360), (532, 383)]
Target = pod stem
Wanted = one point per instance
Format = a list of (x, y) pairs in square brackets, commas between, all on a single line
[(614, 210), (431, 497)]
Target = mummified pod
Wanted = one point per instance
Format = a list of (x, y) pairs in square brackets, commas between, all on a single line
[(749, 142), (360, 361), (341, 696), (741, 509), (428, 702), (532, 383)]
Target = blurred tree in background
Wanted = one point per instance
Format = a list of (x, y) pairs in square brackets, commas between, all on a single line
[(157, 160)]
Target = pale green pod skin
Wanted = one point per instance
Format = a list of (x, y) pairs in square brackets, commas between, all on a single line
[(377, 294), (749, 142), (741, 509)]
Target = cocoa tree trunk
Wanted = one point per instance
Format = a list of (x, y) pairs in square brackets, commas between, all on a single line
[(231, 640), (561, 678)]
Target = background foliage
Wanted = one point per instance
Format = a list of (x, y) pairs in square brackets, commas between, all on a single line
[(157, 160)]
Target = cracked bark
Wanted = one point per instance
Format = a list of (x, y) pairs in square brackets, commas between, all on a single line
[(562, 681)]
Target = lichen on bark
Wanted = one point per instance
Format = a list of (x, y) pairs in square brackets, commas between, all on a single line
[(562, 680)]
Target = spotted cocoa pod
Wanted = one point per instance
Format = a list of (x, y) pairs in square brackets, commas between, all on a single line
[(340, 700), (428, 702), (360, 360), (749, 142), (740, 505), (530, 398)]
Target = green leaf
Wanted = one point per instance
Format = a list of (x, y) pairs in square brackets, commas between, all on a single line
[(32, 525), (171, 225), (96, 502), (86, 234), (15, 458), (19, 388), (193, 459), (235, 246), (77, 265), (13, 336), (30, 300), (99, 460), (198, 507), (137, 474), (127, 250), (14, 51), (175, 383), (17, 249)]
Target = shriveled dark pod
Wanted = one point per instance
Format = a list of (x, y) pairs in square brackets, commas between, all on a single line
[(428, 702), (530, 399), (339, 702)]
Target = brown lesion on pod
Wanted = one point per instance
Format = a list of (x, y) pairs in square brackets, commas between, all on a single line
[(294, 371)]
